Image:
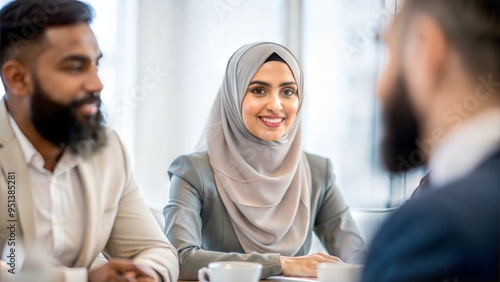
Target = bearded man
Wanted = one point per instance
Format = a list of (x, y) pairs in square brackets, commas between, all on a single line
[(66, 184), (440, 93)]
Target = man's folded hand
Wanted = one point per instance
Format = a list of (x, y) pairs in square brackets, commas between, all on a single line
[(121, 271)]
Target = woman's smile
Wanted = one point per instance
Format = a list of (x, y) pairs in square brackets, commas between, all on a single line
[(272, 121)]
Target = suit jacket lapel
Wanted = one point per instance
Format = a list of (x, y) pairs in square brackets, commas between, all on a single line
[(87, 253), (12, 160)]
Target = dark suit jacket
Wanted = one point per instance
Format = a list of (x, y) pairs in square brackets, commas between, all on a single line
[(450, 234)]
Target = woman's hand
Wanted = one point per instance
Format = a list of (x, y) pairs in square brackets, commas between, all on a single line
[(305, 266)]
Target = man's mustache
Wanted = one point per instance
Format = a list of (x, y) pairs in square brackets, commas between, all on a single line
[(94, 97)]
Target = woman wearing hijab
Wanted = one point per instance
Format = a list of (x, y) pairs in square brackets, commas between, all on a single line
[(252, 194)]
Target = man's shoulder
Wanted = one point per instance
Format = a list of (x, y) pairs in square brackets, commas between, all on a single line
[(454, 228), (464, 201), (480, 188), (467, 209)]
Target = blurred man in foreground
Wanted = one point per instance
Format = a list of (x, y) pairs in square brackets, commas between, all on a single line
[(440, 93), (66, 184)]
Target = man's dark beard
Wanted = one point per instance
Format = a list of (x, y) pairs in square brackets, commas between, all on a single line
[(400, 151), (60, 125)]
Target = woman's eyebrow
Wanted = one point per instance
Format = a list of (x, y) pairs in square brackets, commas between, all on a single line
[(270, 85), (260, 82), (288, 83)]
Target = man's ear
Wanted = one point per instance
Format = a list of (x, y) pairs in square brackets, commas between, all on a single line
[(17, 78)]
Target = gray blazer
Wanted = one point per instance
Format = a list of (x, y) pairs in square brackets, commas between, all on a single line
[(198, 225)]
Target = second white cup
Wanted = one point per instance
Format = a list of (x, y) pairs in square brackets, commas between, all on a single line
[(231, 271), (338, 272)]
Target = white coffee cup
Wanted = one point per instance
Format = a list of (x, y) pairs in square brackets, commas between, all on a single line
[(231, 271), (338, 272)]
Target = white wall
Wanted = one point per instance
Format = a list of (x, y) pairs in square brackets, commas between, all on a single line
[(190, 42)]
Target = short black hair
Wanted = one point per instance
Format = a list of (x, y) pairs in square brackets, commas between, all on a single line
[(24, 21), (471, 26)]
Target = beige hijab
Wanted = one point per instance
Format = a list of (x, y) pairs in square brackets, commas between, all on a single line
[(265, 186)]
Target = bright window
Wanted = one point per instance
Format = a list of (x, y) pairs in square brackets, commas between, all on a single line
[(164, 62)]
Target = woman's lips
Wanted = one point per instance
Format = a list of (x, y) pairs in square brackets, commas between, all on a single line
[(272, 121)]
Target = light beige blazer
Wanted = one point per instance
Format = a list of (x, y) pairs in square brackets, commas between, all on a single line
[(118, 222)]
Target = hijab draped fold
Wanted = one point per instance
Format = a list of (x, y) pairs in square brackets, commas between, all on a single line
[(265, 186)]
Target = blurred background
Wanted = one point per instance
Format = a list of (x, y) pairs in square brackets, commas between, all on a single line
[(164, 61)]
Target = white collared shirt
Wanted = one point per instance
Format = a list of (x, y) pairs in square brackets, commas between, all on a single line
[(58, 199), (466, 148)]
